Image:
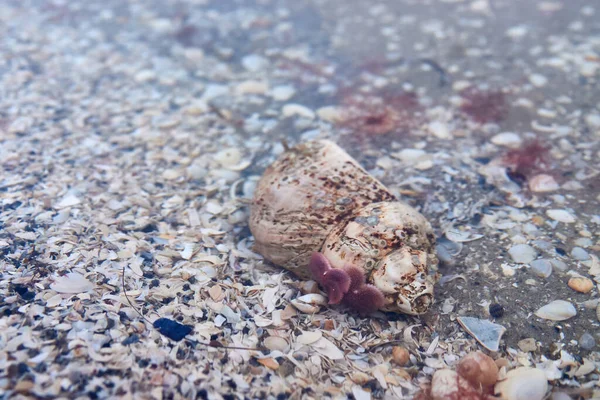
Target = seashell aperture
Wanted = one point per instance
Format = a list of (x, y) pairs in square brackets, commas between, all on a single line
[(316, 198)]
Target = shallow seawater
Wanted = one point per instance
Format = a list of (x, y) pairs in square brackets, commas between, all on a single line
[(132, 134)]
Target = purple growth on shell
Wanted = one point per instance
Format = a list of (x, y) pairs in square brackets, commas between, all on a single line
[(335, 281), (361, 296), (345, 285)]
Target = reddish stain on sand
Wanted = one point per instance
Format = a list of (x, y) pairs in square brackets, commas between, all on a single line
[(377, 115), (484, 106), (530, 159)]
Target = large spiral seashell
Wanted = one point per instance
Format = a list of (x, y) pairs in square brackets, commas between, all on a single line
[(316, 205)]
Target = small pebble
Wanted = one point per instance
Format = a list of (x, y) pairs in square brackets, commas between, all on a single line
[(145, 75), (541, 268), (543, 183), (561, 216), (508, 139), (440, 130), (580, 254), (283, 93), (400, 355), (522, 253), (584, 242), (581, 284), (538, 80), (496, 310), (527, 345), (587, 341), (559, 265), (251, 87), (254, 62), (331, 114), (291, 110)]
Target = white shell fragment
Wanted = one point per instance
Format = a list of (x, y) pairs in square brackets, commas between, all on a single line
[(328, 349), (310, 303), (487, 333), (523, 384), (561, 216), (558, 310), (73, 283)]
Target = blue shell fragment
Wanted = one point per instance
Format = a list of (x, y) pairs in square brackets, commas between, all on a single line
[(172, 329)]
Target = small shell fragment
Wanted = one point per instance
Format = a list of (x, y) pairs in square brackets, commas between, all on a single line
[(73, 283), (309, 337), (558, 310), (485, 332), (276, 343), (309, 303), (270, 363), (523, 384), (581, 284)]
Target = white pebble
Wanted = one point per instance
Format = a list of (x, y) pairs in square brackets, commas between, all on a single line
[(538, 80), (145, 75), (440, 130), (543, 183), (561, 216), (541, 268), (228, 157), (196, 171), (558, 310), (330, 114), (254, 62), (409, 155), (559, 265), (251, 87), (517, 32), (584, 242), (593, 121), (508, 139), (290, 110), (522, 253), (588, 69), (580, 254), (283, 93), (170, 174)]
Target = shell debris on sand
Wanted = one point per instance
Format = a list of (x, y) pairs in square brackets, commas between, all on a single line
[(135, 134)]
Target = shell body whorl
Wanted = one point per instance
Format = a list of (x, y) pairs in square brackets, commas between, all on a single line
[(316, 197)]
